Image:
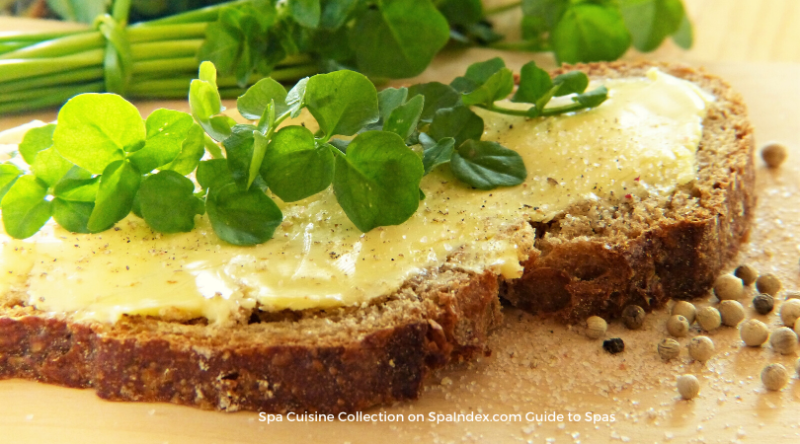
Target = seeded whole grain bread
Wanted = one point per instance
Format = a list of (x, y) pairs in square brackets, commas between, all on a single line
[(593, 259), (598, 257)]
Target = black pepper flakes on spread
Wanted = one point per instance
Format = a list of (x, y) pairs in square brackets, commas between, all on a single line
[(614, 345)]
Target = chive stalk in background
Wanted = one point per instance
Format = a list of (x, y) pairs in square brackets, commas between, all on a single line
[(251, 39)]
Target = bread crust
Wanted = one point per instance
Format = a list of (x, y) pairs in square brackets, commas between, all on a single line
[(353, 358), (649, 253)]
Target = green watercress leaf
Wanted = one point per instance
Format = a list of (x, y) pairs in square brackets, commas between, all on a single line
[(73, 216), (192, 150), (651, 21), (459, 123), (213, 173), (573, 82), (436, 153), (398, 38), (590, 32), (95, 130), (305, 12), (335, 13), (25, 209), (252, 104), (49, 166), (167, 203), (496, 87), (462, 12), (242, 217), (404, 119), (206, 104), (293, 154), (118, 186), (534, 82), (295, 96), (9, 174), (245, 150), (437, 96), (592, 98), (377, 182), (487, 165), (684, 35), (389, 99), (36, 140), (342, 102), (166, 132), (550, 11), (75, 188)]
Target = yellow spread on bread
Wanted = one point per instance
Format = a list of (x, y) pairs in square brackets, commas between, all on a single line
[(642, 140)]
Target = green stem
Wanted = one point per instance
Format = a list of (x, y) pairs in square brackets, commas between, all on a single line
[(120, 11), (562, 109), (6, 47), (33, 37), (62, 95), (165, 50), (141, 34), (61, 78), (510, 112), (208, 14), (165, 66), (20, 69), (34, 94), (501, 9), (59, 47)]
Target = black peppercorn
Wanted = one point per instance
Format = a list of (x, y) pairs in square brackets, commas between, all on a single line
[(633, 317), (613, 345), (763, 303)]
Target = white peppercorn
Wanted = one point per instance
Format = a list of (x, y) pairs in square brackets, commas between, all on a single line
[(731, 312), (596, 327), (688, 386), (685, 309), (791, 294), (763, 303), (754, 333), (709, 318), (774, 377), (790, 312), (797, 367), (701, 348), (728, 286), (633, 317), (783, 340), (677, 326), (774, 154), (668, 349), (746, 273), (768, 283)]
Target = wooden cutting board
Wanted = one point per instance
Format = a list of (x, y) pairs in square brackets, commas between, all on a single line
[(536, 367)]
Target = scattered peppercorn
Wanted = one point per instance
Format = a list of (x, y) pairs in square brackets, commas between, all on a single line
[(614, 345), (773, 154), (728, 286), (763, 303), (790, 312), (701, 348), (754, 333), (768, 283), (746, 273), (633, 317), (596, 327), (774, 377), (731, 313), (791, 294), (688, 386), (709, 318), (685, 309), (668, 349), (677, 326), (783, 340)]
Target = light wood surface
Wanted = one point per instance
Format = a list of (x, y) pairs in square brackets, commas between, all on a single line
[(537, 366)]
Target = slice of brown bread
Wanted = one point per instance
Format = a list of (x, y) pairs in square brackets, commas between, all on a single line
[(598, 257), (596, 260)]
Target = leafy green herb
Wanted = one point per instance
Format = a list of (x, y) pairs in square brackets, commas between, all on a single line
[(242, 217), (487, 165), (342, 102), (436, 153), (460, 123), (72, 215), (398, 38), (306, 12), (166, 132), (192, 150), (8, 175), (437, 96), (118, 186), (97, 129), (25, 209), (378, 187), (405, 118), (252, 104), (206, 104), (590, 32), (652, 21), (167, 202), (293, 153)]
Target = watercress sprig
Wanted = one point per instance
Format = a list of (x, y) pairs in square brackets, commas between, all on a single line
[(103, 161)]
